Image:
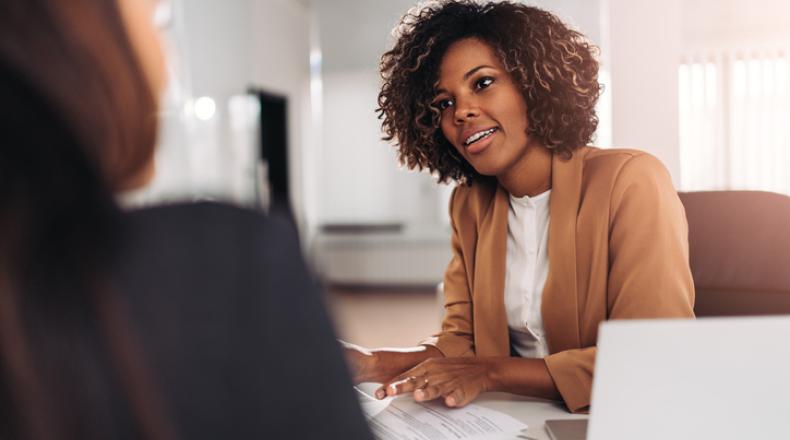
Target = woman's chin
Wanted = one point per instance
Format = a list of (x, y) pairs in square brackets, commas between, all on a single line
[(487, 169)]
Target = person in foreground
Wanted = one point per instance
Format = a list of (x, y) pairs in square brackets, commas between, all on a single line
[(550, 236), (169, 322)]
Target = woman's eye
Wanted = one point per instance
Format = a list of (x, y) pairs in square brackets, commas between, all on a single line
[(443, 104), (483, 82)]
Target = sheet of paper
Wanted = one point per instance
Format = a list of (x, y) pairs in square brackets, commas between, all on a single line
[(404, 419), (370, 405)]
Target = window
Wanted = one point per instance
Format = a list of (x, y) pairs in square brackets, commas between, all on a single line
[(734, 126)]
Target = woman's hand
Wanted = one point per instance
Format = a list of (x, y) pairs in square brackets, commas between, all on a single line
[(380, 365), (361, 363), (457, 380)]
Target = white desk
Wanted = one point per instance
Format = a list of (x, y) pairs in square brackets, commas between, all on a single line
[(533, 412)]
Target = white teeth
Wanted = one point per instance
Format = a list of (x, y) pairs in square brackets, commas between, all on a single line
[(479, 135)]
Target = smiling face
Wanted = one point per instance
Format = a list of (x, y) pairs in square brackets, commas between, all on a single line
[(483, 113)]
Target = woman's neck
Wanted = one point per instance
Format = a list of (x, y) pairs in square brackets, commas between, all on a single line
[(531, 174)]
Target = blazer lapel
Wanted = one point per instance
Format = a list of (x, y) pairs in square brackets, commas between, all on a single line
[(560, 309), (491, 332)]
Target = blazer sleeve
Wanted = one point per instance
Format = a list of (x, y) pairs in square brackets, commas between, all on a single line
[(456, 337), (649, 274)]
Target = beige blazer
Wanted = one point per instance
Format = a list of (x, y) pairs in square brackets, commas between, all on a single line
[(618, 249)]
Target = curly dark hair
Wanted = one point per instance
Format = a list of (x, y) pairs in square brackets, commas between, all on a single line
[(555, 67)]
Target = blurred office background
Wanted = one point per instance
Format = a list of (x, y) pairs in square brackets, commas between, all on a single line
[(701, 84)]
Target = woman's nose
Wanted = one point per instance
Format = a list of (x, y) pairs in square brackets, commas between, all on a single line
[(466, 109)]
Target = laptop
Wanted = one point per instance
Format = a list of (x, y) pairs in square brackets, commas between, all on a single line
[(710, 378)]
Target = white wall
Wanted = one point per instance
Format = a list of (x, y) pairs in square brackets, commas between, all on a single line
[(583, 15), (641, 48), (735, 22), (359, 172), (360, 180)]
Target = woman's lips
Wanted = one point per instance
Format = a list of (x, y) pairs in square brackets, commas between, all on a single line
[(481, 144)]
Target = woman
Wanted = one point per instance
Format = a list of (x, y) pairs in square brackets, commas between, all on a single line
[(550, 237), (161, 323)]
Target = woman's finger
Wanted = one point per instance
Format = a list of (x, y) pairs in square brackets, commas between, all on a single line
[(405, 385), (433, 391), (454, 397), (383, 390), (405, 382), (460, 396), (412, 379), (434, 386), (395, 386)]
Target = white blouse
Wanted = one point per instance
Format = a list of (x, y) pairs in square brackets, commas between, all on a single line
[(525, 275)]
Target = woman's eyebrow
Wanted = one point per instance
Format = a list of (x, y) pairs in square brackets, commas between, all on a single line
[(471, 72)]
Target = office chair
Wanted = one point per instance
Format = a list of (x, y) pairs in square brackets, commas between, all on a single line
[(739, 246)]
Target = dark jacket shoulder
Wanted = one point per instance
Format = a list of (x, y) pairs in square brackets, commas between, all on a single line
[(233, 325)]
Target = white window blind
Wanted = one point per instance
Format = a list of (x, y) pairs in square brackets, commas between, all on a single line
[(734, 125)]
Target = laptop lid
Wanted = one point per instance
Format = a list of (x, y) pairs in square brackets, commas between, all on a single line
[(717, 378)]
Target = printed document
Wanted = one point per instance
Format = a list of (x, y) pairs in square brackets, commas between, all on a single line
[(401, 418)]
